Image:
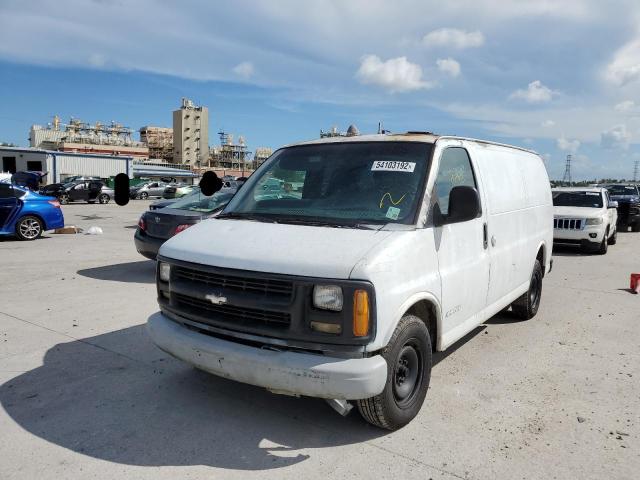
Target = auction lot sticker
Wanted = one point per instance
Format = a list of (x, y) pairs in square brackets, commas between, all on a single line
[(391, 166)]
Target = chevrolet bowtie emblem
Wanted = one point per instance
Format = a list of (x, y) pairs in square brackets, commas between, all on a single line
[(216, 299)]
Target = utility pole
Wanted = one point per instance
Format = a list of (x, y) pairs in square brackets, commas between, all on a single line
[(567, 171), (636, 171)]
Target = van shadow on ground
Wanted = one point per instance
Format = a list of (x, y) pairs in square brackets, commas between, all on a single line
[(135, 272), (161, 412)]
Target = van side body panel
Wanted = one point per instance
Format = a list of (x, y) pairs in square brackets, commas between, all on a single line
[(517, 207), (404, 270)]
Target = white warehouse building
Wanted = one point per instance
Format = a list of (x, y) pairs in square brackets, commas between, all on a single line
[(61, 165)]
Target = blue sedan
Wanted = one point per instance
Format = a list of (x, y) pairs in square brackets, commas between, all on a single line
[(27, 214)]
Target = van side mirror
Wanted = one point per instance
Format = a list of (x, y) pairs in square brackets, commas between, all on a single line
[(613, 204), (464, 205)]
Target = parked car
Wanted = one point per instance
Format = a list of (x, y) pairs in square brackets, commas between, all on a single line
[(26, 214), (628, 198), (148, 190), (584, 217), (80, 178), (177, 191), (157, 226), (398, 246), (87, 190), (161, 204)]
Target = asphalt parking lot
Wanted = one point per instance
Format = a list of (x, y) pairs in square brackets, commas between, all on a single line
[(84, 393)]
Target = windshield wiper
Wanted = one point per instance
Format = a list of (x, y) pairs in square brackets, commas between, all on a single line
[(322, 223), (246, 216)]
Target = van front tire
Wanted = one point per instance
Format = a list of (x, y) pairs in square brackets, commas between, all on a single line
[(527, 305), (408, 357)]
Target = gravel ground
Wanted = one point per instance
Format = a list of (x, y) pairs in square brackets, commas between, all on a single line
[(84, 393)]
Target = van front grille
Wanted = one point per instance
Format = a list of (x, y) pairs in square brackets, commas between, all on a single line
[(239, 283), (230, 315)]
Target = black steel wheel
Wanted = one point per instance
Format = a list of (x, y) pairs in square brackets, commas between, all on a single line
[(527, 305), (408, 357)]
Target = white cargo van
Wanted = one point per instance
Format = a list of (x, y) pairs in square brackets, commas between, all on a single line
[(389, 248)]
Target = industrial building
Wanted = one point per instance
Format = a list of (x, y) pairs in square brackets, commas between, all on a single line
[(80, 137), (60, 165), (191, 134), (159, 141)]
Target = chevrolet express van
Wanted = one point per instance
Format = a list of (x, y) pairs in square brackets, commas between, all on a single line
[(389, 248)]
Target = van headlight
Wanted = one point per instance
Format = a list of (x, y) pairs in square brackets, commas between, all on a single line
[(328, 297), (164, 270), (594, 221)]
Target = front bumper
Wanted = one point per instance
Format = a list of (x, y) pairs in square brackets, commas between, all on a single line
[(579, 237), (146, 245), (284, 371)]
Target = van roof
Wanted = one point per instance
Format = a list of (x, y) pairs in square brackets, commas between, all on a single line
[(411, 136)]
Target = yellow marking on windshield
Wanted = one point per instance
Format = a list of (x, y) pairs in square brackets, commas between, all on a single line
[(391, 199)]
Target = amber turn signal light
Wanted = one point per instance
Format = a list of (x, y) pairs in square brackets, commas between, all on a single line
[(360, 313)]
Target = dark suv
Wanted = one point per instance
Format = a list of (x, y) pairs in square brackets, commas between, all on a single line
[(628, 198)]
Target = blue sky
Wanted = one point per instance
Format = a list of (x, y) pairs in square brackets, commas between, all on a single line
[(557, 77)]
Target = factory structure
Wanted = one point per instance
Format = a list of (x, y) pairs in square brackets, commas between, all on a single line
[(105, 149), (80, 137), (159, 141), (191, 134)]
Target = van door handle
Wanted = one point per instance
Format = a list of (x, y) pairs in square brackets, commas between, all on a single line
[(485, 232)]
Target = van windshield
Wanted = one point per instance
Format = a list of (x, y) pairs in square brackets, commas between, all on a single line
[(341, 184), (577, 199)]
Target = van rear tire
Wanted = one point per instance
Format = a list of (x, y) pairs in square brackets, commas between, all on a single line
[(527, 305), (408, 357)]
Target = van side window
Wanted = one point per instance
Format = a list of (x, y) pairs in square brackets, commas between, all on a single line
[(455, 170)]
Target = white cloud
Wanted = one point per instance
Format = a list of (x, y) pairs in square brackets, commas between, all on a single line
[(625, 66), (625, 106), (536, 92), (616, 138), (548, 123), (244, 70), (395, 75), (448, 66), (567, 145), (97, 60), (454, 38)]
